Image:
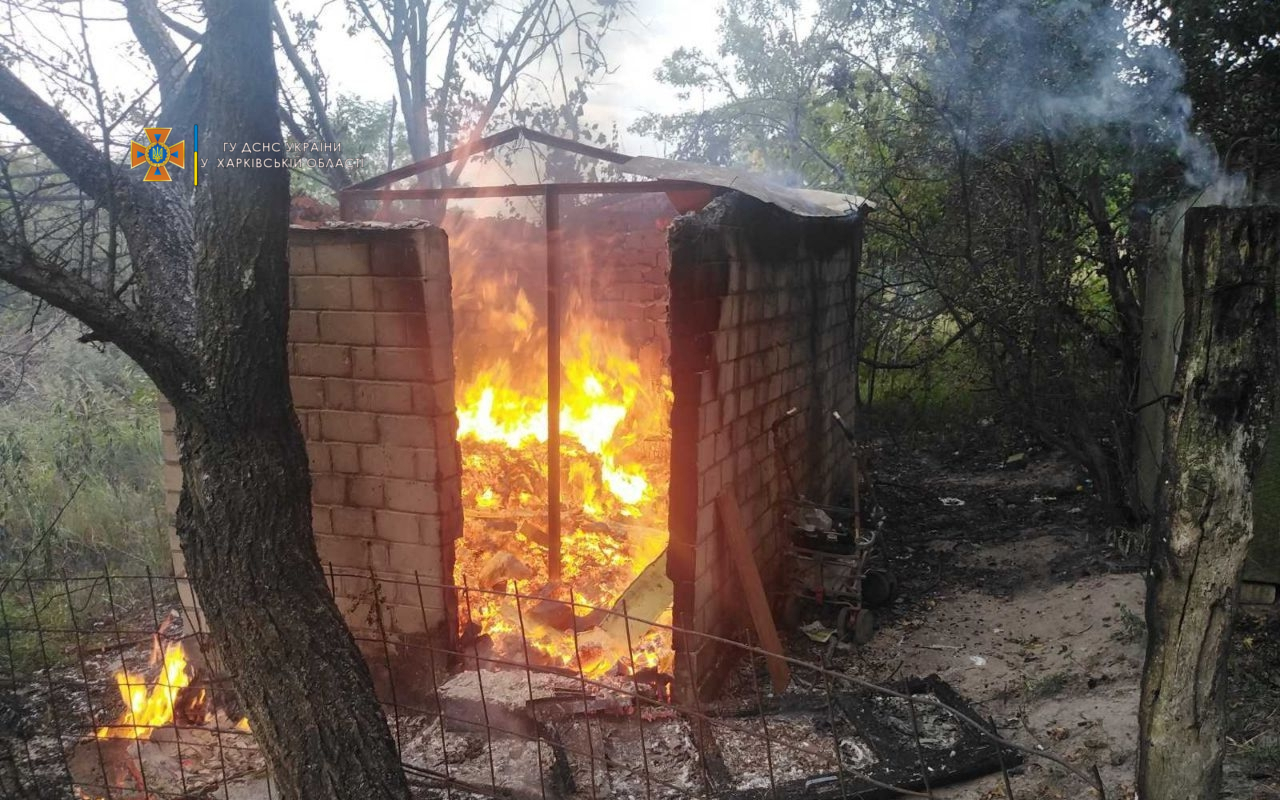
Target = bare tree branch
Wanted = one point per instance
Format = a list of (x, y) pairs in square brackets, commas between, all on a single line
[(337, 173), (162, 251), (149, 26), (109, 318)]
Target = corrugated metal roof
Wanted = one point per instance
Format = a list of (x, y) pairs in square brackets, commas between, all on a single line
[(804, 202)]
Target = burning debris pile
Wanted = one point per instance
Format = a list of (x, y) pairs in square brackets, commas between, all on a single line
[(615, 458), (172, 738)]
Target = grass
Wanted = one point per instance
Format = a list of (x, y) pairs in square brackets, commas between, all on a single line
[(81, 492), (1133, 628), (1260, 757), (1047, 685)]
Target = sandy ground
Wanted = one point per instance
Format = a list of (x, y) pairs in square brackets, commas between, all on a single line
[(1026, 603)]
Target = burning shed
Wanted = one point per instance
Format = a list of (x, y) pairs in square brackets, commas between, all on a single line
[(520, 421)]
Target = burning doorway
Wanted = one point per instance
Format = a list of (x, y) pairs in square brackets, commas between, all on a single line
[(597, 535), (636, 338)]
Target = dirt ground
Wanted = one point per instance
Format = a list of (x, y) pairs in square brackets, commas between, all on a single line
[(1023, 598)]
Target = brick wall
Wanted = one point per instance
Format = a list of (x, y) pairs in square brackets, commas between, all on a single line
[(761, 322), (614, 252), (616, 249), (371, 356)]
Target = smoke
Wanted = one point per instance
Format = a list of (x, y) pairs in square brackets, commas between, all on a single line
[(1072, 67)]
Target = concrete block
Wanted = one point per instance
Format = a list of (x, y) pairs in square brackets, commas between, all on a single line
[(389, 461), (344, 552), (394, 526), (172, 478), (321, 519), (433, 399), (339, 395), (410, 557), (361, 292), (328, 490), (365, 491), (317, 457), (302, 259), (404, 431), (320, 293), (398, 294), (392, 330), (320, 360), (346, 327), (342, 258), (353, 522), (344, 458), (303, 326), (413, 496), (394, 256), (307, 392), (433, 530), (426, 465), (348, 426), (393, 398), (363, 363), (400, 364), (169, 448)]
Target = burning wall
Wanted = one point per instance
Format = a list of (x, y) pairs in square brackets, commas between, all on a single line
[(655, 425)]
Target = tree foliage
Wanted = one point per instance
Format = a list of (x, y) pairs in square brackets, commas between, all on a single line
[(1014, 149)]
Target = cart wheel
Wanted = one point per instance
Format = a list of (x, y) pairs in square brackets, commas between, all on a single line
[(864, 627), (877, 589), (843, 628), (842, 633)]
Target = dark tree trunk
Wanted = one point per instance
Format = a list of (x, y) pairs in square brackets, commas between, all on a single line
[(244, 519), (1213, 448), (245, 524), (210, 327)]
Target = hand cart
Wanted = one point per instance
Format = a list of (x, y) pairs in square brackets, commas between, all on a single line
[(832, 556)]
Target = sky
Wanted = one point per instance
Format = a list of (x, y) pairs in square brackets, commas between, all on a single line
[(358, 65), (635, 51)]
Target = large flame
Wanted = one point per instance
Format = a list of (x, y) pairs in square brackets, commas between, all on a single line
[(615, 463)]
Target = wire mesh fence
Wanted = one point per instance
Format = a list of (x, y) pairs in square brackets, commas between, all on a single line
[(106, 691)]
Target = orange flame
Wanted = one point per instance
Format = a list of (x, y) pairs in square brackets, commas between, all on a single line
[(151, 706), (147, 708), (615, 462)]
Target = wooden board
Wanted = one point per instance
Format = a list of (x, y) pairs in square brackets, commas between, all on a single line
[(740, 551)]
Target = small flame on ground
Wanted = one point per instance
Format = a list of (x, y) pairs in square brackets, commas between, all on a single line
[(149, 706)]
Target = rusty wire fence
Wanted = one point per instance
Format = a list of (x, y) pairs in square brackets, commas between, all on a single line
[(105, 692)]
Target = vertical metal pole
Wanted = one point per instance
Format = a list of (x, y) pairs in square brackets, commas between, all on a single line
[(554, 281)]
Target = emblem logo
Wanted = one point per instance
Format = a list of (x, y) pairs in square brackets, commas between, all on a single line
[(157, 154)]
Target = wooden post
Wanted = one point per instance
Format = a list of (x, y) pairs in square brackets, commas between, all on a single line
[(1213, 448), (744, 561)]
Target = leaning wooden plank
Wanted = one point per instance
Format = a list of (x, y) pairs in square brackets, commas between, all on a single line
[(735, 536)]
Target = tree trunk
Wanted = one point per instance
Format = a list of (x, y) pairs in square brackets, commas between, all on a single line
[(210, 328), (1213, 448), (245, 524), (244, 519)]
